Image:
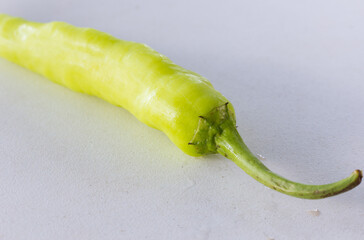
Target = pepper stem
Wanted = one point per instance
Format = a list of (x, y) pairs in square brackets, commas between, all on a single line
[(230, 144)]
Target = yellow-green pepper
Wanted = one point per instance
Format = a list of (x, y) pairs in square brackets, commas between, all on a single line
[(161, 94)]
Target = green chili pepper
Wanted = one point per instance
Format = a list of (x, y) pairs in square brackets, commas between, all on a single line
[(181, 103)]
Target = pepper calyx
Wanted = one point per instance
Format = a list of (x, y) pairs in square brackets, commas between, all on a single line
[(209, 126)]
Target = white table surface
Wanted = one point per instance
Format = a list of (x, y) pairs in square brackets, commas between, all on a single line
[(75, 167)]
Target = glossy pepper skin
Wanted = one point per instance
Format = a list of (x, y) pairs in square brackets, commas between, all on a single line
[(161, 94)]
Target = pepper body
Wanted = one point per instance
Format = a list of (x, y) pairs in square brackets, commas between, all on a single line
[(131, 75)]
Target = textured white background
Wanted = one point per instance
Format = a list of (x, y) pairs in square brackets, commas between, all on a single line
[(75, 167)]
